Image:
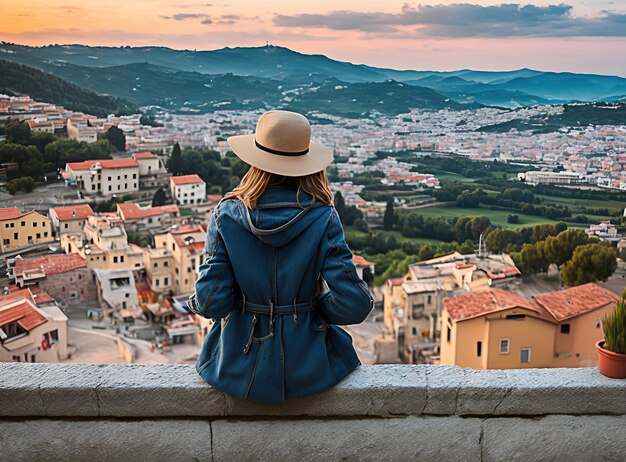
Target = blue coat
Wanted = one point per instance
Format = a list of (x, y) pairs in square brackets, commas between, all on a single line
[(275, 336)]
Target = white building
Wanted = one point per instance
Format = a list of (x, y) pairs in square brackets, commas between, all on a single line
[(103, 177), (188, 189), (117, 292), (79, 129)]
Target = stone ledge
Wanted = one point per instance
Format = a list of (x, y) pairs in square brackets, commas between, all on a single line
[(143, 391)]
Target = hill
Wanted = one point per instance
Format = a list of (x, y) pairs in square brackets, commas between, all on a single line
[(17, 79)]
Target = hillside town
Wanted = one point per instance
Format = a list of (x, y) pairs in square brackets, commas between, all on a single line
[(73, 273)]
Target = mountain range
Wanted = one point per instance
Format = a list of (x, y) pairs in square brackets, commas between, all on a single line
[(270, 76)]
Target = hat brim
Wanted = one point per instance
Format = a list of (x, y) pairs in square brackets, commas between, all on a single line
[(317, 159)]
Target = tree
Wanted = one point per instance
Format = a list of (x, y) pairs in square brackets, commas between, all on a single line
[(500, 239), (512, 219), (361, 225), (532, 260), (158, 198), (589, 263), (116, 137), (388, 218), (16, 131), (340, 204), (560, 248), (176, 160), (426, 252), (24, 183)]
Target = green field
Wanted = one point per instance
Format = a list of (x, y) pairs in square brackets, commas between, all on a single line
[(351, 232), (573, 204), (497, 217)]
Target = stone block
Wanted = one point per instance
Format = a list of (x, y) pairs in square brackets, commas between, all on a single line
[(481, 391), (423, 438), (555, 438), (100, 440)]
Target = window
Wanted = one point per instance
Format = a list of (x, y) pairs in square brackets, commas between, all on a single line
[(6, 241), (156, 283), (503, 346), (38, 236), (156, 265), (34, 224), (515, 316), (23, 223), (449, 334), (166, 264), (525, 355), (45, 234), (109, 178), (109, 187), (119, 187), (66, 225), (598, 323), (114, 259), (166, 281), (414, 331), (430, 299), (121, 258), (125, 177), (134, 176), (13, 225), (479, 348), (30, 238), (565, 328)]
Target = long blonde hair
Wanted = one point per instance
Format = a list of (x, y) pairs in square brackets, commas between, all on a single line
[(255, 181)]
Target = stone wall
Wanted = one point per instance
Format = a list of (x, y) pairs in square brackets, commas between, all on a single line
[(166, 412)]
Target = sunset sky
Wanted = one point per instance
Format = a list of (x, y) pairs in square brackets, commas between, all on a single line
[(577, 35)]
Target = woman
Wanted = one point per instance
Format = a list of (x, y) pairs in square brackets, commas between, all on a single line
[(278, 274)]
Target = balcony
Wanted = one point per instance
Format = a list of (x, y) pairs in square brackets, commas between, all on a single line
[(166, 412)]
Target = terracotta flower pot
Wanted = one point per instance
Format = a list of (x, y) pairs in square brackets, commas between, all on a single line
[(611, 364)]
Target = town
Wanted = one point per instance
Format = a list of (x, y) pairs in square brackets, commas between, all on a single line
[(100, 259)]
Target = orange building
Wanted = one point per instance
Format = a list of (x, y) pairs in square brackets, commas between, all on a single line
[(498, 329)]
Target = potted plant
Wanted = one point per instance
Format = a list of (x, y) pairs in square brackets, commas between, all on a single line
[(612, 350)]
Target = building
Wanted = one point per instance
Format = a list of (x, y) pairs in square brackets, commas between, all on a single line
[(558, 178), (65, 277), (152, 172), (495, 329), (578, 312), (31, 329), (188, 190), (106, 177), (412, 310), (20, 230), (104, 244), (69, 219), (498, 329), (78, 129), (361, 264), (174, 262), (139, 219), (604, 231), (117, 293)]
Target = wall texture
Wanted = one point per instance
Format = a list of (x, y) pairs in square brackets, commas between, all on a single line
[(166, 412)]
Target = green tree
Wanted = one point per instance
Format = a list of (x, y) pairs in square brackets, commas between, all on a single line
[(176, 161), (512, 219), (361, 225), (426, 252), (532, 259), (501, 239), (340, 204), (24, 183), (158, 198), (560, 248), (116, 137), (16, 131), (589, 263), (388, 218)]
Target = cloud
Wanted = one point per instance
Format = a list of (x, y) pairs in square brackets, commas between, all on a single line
[(467, 20)]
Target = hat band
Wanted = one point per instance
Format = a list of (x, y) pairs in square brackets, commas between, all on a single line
[(280, 153)]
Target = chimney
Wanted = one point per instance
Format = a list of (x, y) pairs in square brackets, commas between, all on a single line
[(74, 213)]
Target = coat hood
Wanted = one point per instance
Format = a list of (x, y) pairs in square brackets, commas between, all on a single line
[(282, 214)]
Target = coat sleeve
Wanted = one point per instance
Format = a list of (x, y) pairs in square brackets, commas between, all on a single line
[(348, 299), (214, 296)]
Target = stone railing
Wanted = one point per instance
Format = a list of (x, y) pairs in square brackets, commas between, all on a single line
[(166, 412)]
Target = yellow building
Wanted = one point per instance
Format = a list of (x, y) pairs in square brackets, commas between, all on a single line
[(19, 230), (182, 250), (104, 244), (579, 312), (498, 329)]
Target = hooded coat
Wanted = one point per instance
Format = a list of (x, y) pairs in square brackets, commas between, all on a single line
[(276, 336)]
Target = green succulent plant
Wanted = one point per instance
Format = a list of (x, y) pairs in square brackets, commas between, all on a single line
[(614, 326)]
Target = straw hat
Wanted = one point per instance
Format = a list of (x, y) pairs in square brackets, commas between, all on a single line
[(282, 145)]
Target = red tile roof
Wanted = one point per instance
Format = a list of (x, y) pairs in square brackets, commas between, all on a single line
[(481, 302), (131, 211), (105, 163), (33, 293), (567, 303), (52, 264), (143, 155), (186, 179), (9, 213), (360, 261), (188, 229), (397, 281), (24, 313), (73, 212)]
